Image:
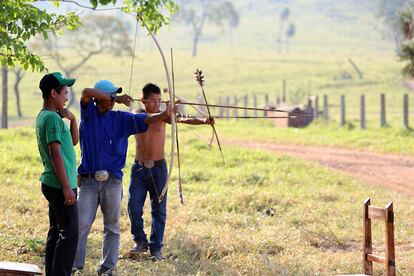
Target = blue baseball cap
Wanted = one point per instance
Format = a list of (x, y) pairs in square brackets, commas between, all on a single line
[(107, 87)]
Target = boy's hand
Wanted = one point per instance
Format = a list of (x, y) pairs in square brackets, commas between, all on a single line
[(124, 99), (170, 109), (209, 121), (69, 195), (65, 113)]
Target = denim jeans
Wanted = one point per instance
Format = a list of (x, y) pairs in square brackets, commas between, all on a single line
[(63, 233), (107, 194), (142, 181)]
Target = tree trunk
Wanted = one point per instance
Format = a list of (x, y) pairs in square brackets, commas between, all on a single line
[(197, 32), (195, 43), (19, 77), (72, 96), (72, 99), (4, 103)]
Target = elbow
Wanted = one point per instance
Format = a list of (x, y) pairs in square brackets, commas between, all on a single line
[(54, 155), (85, 93)]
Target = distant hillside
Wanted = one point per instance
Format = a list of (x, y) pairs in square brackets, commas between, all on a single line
[(320, 25)]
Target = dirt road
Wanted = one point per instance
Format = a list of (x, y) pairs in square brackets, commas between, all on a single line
[(387, 170)]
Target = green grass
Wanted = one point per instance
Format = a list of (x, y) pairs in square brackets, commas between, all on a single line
[(259, 214), (385, 140)]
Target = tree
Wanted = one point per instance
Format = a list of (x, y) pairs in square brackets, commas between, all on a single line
[(19, 73), (389, 11), (100, 34), (291, 31), (22, 21), (283, 17), (4, 113), (406, 27), (197, 12)]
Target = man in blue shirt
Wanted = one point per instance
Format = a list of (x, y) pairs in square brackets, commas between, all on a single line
[(104, 142)]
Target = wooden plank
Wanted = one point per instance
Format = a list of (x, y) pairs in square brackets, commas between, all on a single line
[(19, 268), (377, 259), (376, 212), (367, 246), (389, 240)]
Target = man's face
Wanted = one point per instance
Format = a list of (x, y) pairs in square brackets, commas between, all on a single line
[(152, 103), (106, 105), (61, 98)]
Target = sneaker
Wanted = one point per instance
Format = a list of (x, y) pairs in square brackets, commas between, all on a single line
[(106, 272), (76, 271), (139, 247), (156, 255)]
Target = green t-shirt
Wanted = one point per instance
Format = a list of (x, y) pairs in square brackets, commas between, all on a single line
[(51, 128)]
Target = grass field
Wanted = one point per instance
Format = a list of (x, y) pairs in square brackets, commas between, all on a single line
[(258, 214)]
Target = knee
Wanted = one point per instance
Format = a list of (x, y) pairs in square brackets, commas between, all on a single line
[(112, 227)]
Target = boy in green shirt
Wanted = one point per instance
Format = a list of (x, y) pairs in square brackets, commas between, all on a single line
[(59, 180)]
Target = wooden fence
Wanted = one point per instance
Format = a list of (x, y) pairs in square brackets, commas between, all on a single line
[(321, 108)]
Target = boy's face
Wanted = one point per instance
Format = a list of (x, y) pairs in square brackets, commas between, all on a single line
[(60, 98), (152, 103)]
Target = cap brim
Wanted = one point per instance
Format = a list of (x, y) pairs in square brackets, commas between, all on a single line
[(119, 90), (67, 82)]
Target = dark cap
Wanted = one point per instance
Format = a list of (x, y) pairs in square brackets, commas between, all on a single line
[(52, 81)]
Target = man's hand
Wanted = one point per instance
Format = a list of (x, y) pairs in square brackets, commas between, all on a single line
[(69, 195), (209, 121), (65, 113), (124, 99)]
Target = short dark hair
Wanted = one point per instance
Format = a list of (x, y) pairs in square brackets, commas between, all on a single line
[(47, 84), (150, 88)]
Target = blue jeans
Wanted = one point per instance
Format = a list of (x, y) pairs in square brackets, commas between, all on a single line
[(107, 194), (145, 180)]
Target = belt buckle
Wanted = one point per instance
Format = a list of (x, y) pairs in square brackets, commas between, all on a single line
[(101, 175), (148, 164)]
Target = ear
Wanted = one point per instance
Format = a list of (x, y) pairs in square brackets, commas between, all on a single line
[(53, 93)]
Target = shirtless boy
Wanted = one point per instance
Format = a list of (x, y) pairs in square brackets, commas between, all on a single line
[(149, 174)]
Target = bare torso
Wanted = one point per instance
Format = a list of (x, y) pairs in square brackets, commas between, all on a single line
[(150, 144)]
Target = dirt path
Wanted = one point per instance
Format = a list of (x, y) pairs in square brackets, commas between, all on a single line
[(387, 170)]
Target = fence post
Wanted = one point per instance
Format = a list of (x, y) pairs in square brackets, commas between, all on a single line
[(316, 109), (236, 113), (383, 113), (255, 104), (284, 91), (228, 109), (325, 108), (246, 101), (362, 113), (342, 119), (266, 96), (405, 117)]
